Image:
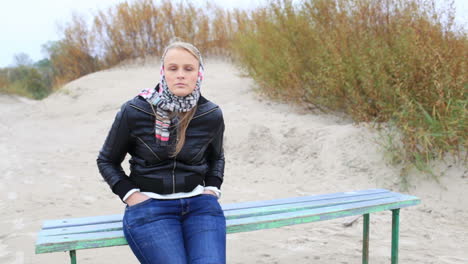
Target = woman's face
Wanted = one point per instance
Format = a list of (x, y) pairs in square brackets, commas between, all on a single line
[(181, 69)]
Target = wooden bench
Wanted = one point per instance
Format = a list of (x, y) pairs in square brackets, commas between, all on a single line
[(105, 231)]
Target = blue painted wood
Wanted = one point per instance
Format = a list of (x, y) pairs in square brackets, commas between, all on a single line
[(273, 209), (318, 214), (100, 231), (226, 207), (116, 222), (82, 221), (324, 210), (242, 205), (82, 229), (79, 237), (82, 241)]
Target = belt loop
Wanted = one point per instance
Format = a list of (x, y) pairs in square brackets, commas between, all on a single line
[(184, 206)]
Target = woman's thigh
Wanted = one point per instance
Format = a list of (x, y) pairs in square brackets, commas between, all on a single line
[(204, 229), (154, 232)]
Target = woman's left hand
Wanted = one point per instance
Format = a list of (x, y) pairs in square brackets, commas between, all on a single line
[(210, 192)]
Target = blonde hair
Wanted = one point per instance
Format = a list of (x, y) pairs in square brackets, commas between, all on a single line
[(184, 117), (186, 46)]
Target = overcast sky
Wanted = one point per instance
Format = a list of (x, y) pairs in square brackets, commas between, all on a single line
[(27, 24)]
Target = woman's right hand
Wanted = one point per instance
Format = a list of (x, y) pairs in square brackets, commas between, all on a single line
[(136, 198)]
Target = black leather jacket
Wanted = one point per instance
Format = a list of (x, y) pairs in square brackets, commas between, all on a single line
[(200, 162)]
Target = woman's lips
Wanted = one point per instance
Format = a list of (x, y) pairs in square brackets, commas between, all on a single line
[(182, 84)]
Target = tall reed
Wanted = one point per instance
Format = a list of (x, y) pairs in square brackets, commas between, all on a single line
[(399, 61), (145, 27)]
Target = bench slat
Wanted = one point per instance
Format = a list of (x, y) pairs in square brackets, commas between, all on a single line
[(319, 214), (230, 214), (48, 224), (51, 241), (283, 208), (80, 241), (244, 205), (82, 229)]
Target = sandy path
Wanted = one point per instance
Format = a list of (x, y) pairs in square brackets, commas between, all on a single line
[(48, 151)]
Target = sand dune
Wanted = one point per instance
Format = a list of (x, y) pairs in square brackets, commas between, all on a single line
[(48, 151)]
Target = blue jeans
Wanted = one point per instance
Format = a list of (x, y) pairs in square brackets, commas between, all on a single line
[(180, 231)]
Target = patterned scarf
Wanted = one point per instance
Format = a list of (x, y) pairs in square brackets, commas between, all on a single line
[(165, 102)]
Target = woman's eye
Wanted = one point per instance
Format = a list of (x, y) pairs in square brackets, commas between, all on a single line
[(189, 69), (172, 69)]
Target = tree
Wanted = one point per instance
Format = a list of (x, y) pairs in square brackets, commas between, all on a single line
[(22, 59)]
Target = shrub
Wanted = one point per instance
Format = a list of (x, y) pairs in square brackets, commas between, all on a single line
[(380, 60), (25, 81)]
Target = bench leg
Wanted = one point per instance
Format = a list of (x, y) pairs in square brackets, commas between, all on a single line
[(73, 256), (365, 240), (395, 234)]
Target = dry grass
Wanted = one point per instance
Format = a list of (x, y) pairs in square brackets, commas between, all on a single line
[(144, 28), (398, 62), (394, 61)]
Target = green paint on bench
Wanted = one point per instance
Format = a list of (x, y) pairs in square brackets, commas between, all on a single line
[(226, 207), (104, 231)]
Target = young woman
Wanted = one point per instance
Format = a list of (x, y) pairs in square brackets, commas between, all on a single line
[(175, 139)]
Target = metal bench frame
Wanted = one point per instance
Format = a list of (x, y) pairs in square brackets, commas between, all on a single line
[(103, 231)]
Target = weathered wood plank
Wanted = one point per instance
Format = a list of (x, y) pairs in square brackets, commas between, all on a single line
[(102, 219), (104, 231), (399, 201), (282, 208), (313, 215), (82, 229), (226, 207), (299, 199), (116, 224), (82, 241)]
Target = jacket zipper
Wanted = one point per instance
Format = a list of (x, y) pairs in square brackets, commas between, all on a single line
[(142, 141), (173, 176), (173, 169), (175, 158), (207, 112), (136, 107)]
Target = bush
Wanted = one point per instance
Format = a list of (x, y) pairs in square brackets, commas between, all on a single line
[(377, 60), (24, 81), (398, 62), (137, 30)]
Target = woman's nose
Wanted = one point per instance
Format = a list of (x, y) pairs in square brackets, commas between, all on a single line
[(180, 74)]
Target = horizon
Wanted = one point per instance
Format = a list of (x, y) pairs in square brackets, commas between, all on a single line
[(32, 29)]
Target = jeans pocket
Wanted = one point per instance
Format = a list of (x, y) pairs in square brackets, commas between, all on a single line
[(136, 215), (131, 207), (208, 195), (209, 204)]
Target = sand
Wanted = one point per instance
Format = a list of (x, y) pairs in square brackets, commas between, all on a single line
[(48, 171)]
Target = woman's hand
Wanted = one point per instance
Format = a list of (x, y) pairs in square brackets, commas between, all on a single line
[(210, 192), (136, 198)]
